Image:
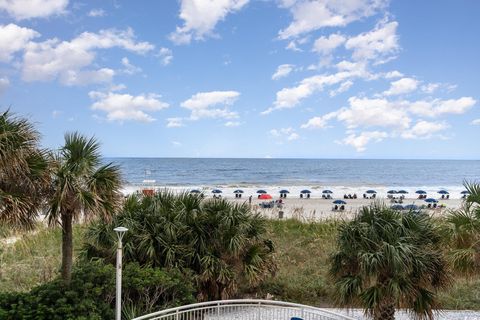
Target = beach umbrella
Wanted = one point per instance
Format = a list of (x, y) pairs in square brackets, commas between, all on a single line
[(420, 192), (284, 191), (431, 200), (465, 192), (411, 207), (195, 191), (339, 202), (216, 191), (261, 191), (327, 191), (265, 196), (305, 191), (392, 191), (402, 192), (442, 192), (238, 191), (397, 207), (370, 191)]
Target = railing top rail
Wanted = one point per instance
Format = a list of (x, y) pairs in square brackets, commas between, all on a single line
[(250, 302)]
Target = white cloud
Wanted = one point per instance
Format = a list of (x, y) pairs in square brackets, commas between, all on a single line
[(365, 112), (4, 83), (360, 141), (326, 45), (319, 122), (439, 107), (393, 74), (200, 105), (344, 86), (232, 124), (402, 86), (165, 55), (476, 122), (95, 13), (290, 97), (176, 144), (68, 61), (379, 43), (201, 16), (129, 68), (424, 130), (430, 87), (174, 122), (283, 70), (27, 9), (14, 38), (313, 15), (125, 107), (287, 134)]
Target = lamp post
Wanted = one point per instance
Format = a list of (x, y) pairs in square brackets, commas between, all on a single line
[(118, 310)]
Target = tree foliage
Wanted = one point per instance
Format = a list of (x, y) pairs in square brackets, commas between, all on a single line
[(462, 230), (386, 260), (82, 185), (24, 172), (223, 243), (90, 294)]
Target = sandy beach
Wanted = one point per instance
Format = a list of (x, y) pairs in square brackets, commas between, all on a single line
[(315, 209)]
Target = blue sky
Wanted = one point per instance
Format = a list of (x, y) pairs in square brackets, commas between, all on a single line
[(248, 78)]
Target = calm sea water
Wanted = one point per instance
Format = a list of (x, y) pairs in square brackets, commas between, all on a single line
[(298, 172)]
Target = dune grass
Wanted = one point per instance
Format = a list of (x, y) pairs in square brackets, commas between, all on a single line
[(33, 259), (302, 251)]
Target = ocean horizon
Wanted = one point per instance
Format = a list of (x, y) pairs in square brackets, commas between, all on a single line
[(340, 175)]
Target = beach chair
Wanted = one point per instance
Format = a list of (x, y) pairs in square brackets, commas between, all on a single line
[(335, 208), (342, 207), (429, 206), (324, 196), (374, 196), (434, 205), (448, 197), (308, 195)]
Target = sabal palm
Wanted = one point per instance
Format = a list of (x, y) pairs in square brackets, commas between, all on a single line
[(462, 228), (221, 242), (386, 260), (82, 185), (24, 172)]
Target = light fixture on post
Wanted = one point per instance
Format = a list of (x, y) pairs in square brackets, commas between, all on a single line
[(118, 310)]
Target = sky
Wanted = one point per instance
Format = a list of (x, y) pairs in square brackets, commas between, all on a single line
[(248, 78)]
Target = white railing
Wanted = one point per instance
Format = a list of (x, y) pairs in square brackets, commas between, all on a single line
[(244, 309)]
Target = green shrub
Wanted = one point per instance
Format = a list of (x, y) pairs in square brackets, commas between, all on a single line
[(91, 294)]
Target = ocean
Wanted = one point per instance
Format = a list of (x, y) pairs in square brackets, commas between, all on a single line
[(338, 175)]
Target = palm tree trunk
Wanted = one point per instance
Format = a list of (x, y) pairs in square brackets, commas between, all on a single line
[(385, 311), (67, 246)]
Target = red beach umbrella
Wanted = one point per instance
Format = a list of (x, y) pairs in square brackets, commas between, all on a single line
[(265, 196)]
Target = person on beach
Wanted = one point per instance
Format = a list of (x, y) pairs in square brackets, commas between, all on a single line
[(250, 200)]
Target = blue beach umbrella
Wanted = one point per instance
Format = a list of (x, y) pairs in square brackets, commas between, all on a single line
[(238, 191), (397, 207), (305, 191), (392, 192), (327, 191), (431, 200), (420, 192), (370, 191), (284, 191), (195, 191), (402, 192), (465, 192), (442, 192), (216, 191), (411, 207), (339, 202), (261, 191)]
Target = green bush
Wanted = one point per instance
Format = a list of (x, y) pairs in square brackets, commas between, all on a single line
[(91, 294)]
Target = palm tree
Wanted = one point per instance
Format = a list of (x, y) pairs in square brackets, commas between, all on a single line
[(387, 260), (24, 172), (82, 186), (462, 228), (224, 244)]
